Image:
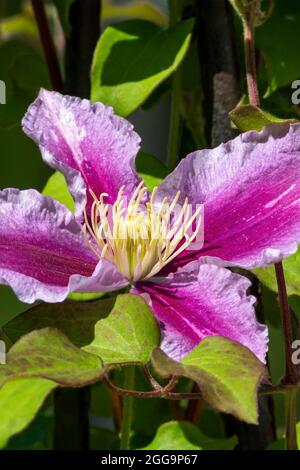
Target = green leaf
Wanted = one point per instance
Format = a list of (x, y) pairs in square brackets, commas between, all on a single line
[(56, 187), (181, 435), (23, 71), (291, 267), (86, 297), (132, 9), (10, 306), (248, 117), (132, 58), (279, 42), (150, 169), (128, 334), (20, 400), (176, 435), (277, 445), (74, 319), (227, 373), (48, 354), (271, 309), (21, 164), (118, 329), (38, 434)]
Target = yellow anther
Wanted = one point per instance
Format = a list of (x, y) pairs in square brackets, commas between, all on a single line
[(140, 239)]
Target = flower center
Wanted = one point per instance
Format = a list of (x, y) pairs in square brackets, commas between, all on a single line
[(140, 239)]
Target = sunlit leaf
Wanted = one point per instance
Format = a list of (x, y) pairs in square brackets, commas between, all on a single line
[(128, 334), (50, 355), (118, 329), (132, 58), (150, 169), (57, 188), (181, 435), (75, 319), (248, 117), (20, 400), (227, 373), (136, 9)]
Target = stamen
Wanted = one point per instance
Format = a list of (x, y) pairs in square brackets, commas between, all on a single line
[(139, 239)]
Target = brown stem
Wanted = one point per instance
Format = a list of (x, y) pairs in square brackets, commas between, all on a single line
[(195, 407), (117, 408), (151, 380), (290, 372), (183, 396), (291, 420), (48, 44), (280, 388), (250, 60), (166, 391), (291, 376), (161, 392)]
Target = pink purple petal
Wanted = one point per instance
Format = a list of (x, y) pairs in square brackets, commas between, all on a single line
[(94, 148), (250, 188), (202, 300), (43, 254)]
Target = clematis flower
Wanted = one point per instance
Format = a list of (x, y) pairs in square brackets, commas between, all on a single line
[(250, 189)]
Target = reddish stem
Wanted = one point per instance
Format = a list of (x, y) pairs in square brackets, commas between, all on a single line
[(290, 372), (48, 45), (117, 408), (250, 59)]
